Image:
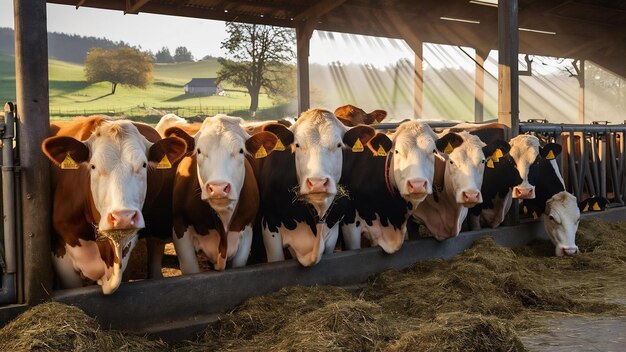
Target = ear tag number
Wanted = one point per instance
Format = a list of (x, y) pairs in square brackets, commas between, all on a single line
[(381, 151), (358, 146), (69, 163), (279, 146), (164, 163), (261, 153), (550, 155)]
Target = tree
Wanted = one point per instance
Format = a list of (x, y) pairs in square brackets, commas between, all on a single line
[(163, 56), (126, 66), (256, 53), (182, 55)]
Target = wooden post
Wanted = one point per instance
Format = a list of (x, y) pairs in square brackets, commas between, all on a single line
[(418, 103), (508, 79), (303, 37), (479, 85), (31, 75)]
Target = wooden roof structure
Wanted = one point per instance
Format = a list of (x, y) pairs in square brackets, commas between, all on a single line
[(583, 29)]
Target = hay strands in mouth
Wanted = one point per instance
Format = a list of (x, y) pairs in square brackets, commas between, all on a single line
[(118, 236), (342, 191)]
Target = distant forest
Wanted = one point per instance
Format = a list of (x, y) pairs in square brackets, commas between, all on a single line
[(66, 47)]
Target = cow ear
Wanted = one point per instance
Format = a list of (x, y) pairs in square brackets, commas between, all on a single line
[(357, 137), (550, 151), (261, 144), (65, 152), (285, 136), (447, 143), (344, 114), (496, 150), (380, 144), (180, 133), (378, 116), (167, 151)]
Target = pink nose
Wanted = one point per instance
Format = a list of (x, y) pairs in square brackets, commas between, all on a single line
[(471, 197), (124, 219), (318, 184), (218, 190), (521, 192), (416, 186), (570, 251)]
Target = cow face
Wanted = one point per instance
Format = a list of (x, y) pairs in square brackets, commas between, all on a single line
[(318, 142), (413, 161), (465, 165), (561, 222), (525, 150), (220, 148)]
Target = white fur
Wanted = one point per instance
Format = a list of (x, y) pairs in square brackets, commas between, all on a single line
[(465, 173), (524, 151), (167, 121), (561, 221)]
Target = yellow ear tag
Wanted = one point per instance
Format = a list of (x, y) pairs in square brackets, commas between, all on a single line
[(69, 163), (358, 146), (381, 151), (164, 163), (550, 155), (596, 207), (535, 216), (586, 208), (490, 164), (279, 146), (449, 148), (375, 122), (261, 153), (497, 155)]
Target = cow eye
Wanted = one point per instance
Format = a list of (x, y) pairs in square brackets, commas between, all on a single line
[(144, 165), (434, 151), (338, 145), (198, 150), (483, 161), (397, 151), (241, 151), (93, 167), (551, 217), (297, 145), (451, 162)]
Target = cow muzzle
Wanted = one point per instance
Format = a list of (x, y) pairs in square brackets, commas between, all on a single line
[(124, 219), (417, 187), (317, 185), (470, 198), (218, 190), (521, 192), (569, 252)]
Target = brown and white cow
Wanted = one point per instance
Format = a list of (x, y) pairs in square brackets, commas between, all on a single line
[(99, 185), (386, 178), (300, 205), (216, 197), (457, 186), (351, 116)]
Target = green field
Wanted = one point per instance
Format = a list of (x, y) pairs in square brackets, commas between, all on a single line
[(71, 95)]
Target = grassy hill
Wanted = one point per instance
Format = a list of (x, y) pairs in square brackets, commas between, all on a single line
[(71, 95)]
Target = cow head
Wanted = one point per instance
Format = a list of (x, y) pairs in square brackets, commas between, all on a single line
[(350, 116), (525, 151), (560, 220), (318, 139), (117, 157), (413, 160), (465, 165), (220, 147)]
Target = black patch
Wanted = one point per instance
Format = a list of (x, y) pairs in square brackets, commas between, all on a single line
[(497, 181), (547, 183)]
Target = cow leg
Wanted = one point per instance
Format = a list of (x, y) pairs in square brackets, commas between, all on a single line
[(64, 268), (186, 252), (473, 222), (331, 239), (240, 258), (156, 250), (273, 245), (351, 235)]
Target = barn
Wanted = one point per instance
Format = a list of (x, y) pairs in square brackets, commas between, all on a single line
[(203, 86)]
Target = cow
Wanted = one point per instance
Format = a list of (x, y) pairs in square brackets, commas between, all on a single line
[(386, 178), (100, 183), (301, 201), (351, 116), (216, 197), (457, 183)]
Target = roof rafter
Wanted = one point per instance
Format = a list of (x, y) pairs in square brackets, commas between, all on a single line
[(80, 3), (136, 6), (318, 9)]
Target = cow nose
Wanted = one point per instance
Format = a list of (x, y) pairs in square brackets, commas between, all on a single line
[(471, 196), (523, 192), (318, 184), (416, 186), (570, 251), (218, 189), (123, 219)]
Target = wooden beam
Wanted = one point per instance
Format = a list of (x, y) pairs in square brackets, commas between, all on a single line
[(508, 79), (479, 85), (80, 3), (303, 37), (31, 87), (318, 9), (134, 9), (418, 101)]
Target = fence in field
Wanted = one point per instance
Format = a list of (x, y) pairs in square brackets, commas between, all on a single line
[(183, 111)]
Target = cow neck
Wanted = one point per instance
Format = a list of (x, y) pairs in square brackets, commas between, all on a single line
[(439, 178), (389, 179)]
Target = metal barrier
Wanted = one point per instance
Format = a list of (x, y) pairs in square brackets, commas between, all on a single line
[(593, 156)]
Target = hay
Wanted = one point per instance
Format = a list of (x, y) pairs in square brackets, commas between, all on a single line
[(57, 327)]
